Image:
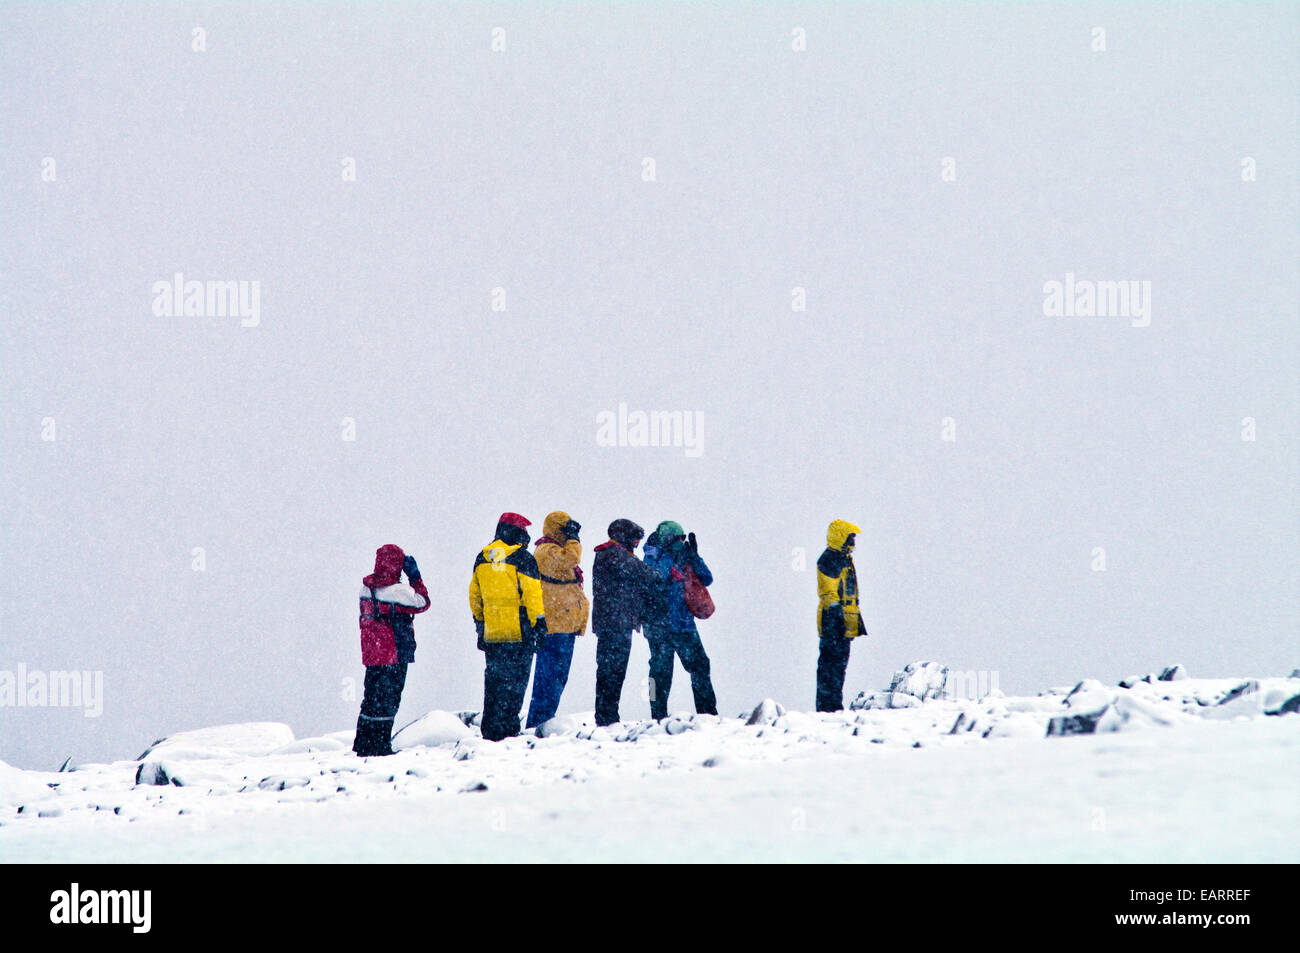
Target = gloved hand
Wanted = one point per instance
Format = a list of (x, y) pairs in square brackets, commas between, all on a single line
[(412, 570), (571, 529), (482, 642), (691, 546), (534, 638)]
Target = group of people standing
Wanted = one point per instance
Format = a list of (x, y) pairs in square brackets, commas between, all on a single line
[(530, 606)]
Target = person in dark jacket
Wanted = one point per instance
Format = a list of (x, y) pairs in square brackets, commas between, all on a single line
[(387, 644), (623, 588), (505, 598), (839, 619), (672, 630)]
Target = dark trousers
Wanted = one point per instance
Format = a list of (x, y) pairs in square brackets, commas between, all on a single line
[(832, 663), (612, 651), (553, 661), (505, 679), (687, 646), (383, 694)]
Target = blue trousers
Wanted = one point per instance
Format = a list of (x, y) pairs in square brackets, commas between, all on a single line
[(550, 677)]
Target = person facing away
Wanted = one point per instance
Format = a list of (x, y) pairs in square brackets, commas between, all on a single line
[(622, 591), (558, 553), (672, 632), (387, 644), (505, 598), (839, 619)]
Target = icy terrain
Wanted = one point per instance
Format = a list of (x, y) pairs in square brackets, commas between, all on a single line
[(1162, 768)]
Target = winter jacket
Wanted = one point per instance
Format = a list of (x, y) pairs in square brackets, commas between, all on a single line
[(557, 564), (505, 593), (387, 629), (623, 591), (837, 585), (675, 617)]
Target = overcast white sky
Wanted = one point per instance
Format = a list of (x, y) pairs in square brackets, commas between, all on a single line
[(523, 170)]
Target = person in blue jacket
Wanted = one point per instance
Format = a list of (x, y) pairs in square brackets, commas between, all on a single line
[(672, 632)]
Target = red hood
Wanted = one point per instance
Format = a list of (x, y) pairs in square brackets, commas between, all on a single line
[(388, 567), (609, 543)]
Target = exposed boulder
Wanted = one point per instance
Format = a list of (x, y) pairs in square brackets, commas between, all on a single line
[(1288, 707), (1082, 724), (154, 772), (911, 685), (766, 713), (921, 680)]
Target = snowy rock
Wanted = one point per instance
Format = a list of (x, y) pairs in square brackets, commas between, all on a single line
[(922, 680), (766, 713), (560, 725), (644, 728), (1123, 713), (17, 785), (676, 726), (430, 730), (337, 741), (1089, 695), (471, 719), (1173, 673), (154, 772), (464, 751), (1128, 712), (867, 701), (1015, 725), (278, 782), (911, 685), (1084, 724), (1242, 690), (250, 740), (1288, 707)]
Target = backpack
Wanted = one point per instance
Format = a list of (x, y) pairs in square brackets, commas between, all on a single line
[(378, 632), (698, 600)]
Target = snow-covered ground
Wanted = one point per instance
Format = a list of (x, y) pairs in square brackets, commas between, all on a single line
[(1166, 768)]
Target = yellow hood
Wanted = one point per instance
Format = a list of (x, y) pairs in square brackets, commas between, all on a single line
[(838, 533), (497, 551)]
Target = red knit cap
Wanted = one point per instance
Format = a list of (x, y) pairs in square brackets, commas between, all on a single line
[(514, 519)]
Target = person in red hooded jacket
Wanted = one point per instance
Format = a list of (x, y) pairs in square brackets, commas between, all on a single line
[(387, 644)]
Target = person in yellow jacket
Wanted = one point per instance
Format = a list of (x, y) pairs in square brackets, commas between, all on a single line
[(505, 598), (558, 553), (839, 619)]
